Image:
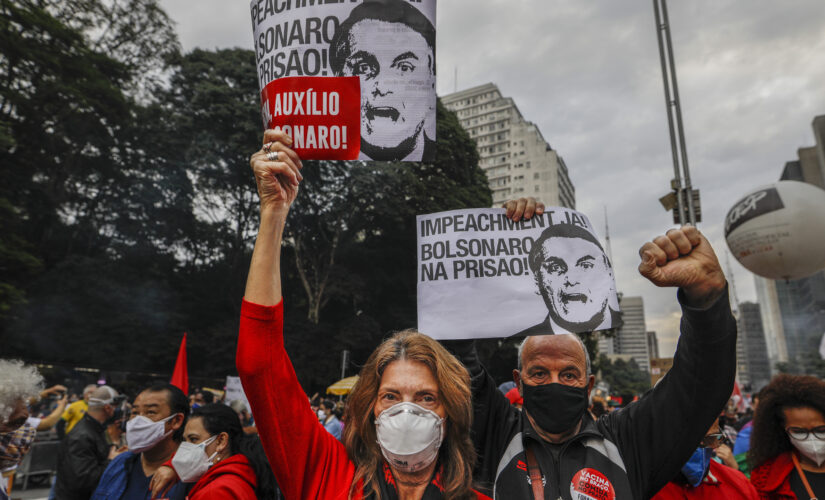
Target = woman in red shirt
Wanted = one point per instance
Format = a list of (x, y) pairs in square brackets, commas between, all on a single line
[(787, 450), (219, 458), (409, 416)]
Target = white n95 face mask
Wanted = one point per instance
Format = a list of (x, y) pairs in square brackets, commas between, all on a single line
[(813, 448), (191, 462), (409, 436), (143, 433)]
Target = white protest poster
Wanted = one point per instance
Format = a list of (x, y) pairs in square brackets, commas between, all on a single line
[(348, 79), (483, 275), (234, 391)]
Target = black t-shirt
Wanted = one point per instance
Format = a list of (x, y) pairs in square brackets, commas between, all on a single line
[(815, 479)]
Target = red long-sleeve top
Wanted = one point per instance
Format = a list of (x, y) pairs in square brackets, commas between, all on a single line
[(308, 461)]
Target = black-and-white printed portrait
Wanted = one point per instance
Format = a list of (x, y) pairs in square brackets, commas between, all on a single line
[(575, 279), (390, 46)]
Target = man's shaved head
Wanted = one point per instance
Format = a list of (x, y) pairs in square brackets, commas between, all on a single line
[(539, 339)]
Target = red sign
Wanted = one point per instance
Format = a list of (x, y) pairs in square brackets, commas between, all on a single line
[(321, 114), (590, 484)]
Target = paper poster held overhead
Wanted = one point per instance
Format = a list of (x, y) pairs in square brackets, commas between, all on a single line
[(349, 80), (483, 275)]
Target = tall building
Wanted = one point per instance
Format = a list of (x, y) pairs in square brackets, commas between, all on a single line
[(771, 316), (793, 312), (758, 368), (652, 345), (632, 337), (742, 374), (515, 156)]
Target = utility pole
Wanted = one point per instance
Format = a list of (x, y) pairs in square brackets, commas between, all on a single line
[(683, 199), (607, 239), (344, 362)]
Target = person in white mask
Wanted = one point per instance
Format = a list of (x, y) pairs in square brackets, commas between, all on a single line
[(153, 434), (788, 439), (218, 459), (407, 426)]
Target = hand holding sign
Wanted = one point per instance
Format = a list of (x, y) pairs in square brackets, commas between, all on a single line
[(277, 180), (523, 207), (684, 258)]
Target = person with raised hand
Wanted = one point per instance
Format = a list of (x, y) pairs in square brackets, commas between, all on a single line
[(553, 448), (409, 416)]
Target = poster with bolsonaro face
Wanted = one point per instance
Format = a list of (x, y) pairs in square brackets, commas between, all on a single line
[(483, 275), (348, 79)]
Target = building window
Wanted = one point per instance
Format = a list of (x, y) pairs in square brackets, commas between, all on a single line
[(536, 189), (536, 175)]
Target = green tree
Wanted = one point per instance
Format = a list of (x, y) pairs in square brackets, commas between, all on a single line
[(625, 377), (84, 200)]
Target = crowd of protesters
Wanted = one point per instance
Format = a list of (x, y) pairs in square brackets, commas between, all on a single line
[(425, 419), (160, 444)]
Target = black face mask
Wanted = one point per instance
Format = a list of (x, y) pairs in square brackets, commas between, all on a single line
[(555, 408)]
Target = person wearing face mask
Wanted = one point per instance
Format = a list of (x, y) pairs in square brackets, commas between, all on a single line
[(218, 458), (787, 444), (704, 477), (153, 434), (330, 421), (552, 448), (407, 433), (84, 453)]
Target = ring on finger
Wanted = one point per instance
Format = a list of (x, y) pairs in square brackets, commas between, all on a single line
[(272, 155)]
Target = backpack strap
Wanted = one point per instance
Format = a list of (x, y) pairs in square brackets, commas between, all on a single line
[(535, 473)]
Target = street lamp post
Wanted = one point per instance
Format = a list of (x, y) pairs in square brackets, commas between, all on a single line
[(683, 200)]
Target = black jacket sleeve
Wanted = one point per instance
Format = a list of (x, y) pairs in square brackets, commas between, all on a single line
[(85, 465), (495, 421), (657, 434)]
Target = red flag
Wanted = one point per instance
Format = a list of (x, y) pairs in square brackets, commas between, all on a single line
[(737, 398), (180, 377)]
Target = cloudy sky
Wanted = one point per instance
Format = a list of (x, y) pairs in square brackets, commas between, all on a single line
[(751, 78)]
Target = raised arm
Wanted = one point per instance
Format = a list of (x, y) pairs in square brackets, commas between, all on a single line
[(495, 420), (277, 183), (50, 421), (662, 429), (307, 461)]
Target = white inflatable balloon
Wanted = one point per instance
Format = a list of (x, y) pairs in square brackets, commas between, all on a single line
[(778, 230)]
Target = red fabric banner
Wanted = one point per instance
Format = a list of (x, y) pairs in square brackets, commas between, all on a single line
[(180, 377)]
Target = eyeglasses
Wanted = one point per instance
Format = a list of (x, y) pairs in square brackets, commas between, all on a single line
[(801, 433), (713, 440)]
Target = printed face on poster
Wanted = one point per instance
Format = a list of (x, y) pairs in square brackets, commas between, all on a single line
[(483, 275), (349, 79)]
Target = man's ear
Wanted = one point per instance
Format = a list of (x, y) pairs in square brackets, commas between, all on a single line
[(517, 380), (590, 383), (177, 421)]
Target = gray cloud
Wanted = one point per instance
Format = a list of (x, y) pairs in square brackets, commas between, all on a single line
[(750, 76)]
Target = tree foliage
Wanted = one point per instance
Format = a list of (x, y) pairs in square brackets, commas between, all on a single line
[(626, 379)]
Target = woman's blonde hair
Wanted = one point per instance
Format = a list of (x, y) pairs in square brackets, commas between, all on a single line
[(456, 455)]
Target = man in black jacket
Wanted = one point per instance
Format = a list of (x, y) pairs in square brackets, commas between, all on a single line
[(553, 449), (84, 452)]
